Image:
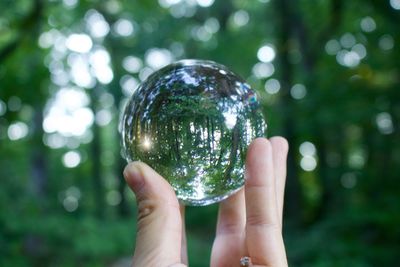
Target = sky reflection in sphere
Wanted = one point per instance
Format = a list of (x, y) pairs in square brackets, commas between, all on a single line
[(192, 121)]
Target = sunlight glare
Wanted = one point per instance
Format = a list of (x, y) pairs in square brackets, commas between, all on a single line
[(146, 143)]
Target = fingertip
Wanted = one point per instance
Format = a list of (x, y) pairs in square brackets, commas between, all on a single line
[(280, 149), (258, 145), (133, 174), (145, 182), (258, 160), (259, 141), (280, 143)]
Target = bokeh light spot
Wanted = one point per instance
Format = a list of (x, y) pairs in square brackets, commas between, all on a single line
[(308, 163), (272, 86), (263, 70), (241, 18), (395, 4), (17, 130), (212, 25), (347, 40), (205, 3), (307, 149), (70, 3), (368, 24), (70, 203), (132, 64), (266, 53), (386, 42), (357, 158), (128, 84), (14, 103), (103, 117), (298, 91), (3, 108), (124, 27), (80, 43), (96, 24), (157, 58), (67, 113), (113, 198), (71, 159), (348, 180), (332, 47), (384, 123)]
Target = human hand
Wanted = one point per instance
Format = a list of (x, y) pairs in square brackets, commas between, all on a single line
[(161, 238), (249, 222)]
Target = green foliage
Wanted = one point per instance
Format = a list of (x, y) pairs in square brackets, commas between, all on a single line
[(63, 201)]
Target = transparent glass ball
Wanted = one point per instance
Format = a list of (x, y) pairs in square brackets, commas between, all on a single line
[(192, 122)]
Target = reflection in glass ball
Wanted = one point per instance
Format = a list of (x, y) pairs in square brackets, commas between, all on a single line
[(192, 121)]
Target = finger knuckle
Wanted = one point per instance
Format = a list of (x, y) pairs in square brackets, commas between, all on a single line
[(258, 220), (230, 228), (145, 208), (151, 210)]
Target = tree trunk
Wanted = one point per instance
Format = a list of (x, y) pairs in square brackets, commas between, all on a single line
[(286, 105), (96, 161), (39, 170)]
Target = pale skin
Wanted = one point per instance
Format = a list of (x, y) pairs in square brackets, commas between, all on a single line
[(249, 222)]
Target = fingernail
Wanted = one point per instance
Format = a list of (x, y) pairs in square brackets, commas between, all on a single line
[(134, 176)]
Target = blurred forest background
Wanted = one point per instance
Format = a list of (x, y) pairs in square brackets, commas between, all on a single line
[(327, 72)]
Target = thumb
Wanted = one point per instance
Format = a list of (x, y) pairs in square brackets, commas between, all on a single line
[(158, 240)]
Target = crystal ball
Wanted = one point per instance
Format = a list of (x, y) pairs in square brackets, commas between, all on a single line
[(192, 122)]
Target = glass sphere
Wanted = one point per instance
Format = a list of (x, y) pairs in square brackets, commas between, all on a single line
[(192, 122)]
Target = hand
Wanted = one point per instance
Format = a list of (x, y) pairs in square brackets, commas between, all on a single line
[(161, 238), (249, 222)]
